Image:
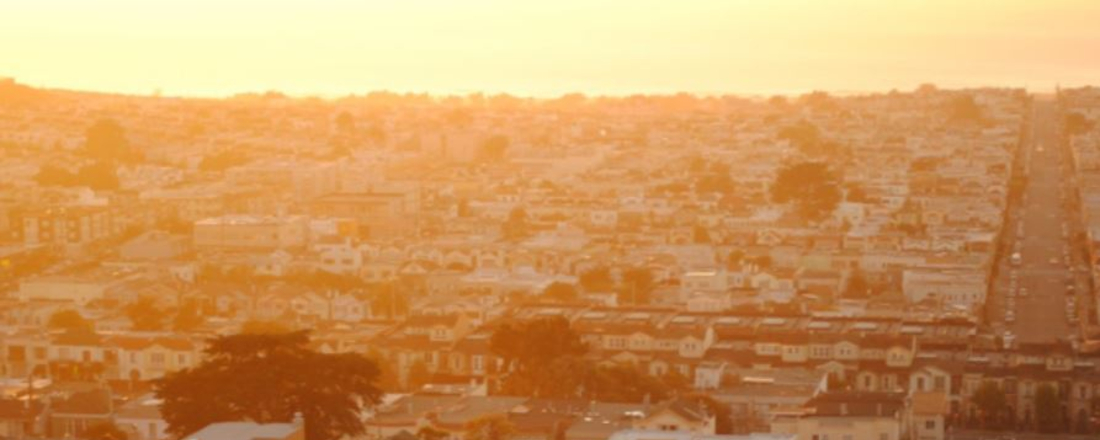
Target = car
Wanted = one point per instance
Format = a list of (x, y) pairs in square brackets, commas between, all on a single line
[(1053, 260), (1023, 291)]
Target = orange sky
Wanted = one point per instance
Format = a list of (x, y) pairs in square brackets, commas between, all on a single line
[(335, 47)]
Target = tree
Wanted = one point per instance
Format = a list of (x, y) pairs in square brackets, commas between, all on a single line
[(490, 427), (965, 110), (104, 431), (429, 433), (637, 286), (597, 280), (1076, 123), (560, 292), (106, 141), (723, 414), (493, 149), (419, 375), (540, 356), (811, 186), (187, 318), (1048, 409), (990, 400), (257, 327), (99, 176), (345, 123), (269, 378), (857, 285), (70, 320), (700, 235), (145, 315), (803, 135), (516, 226)]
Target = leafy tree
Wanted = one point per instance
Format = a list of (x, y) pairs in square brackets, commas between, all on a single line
[(516, 226), (493, 149), (345, 123), (597, 280), (223, 160), (560, 292), (811, 186), (803, 134), (637, 286), (106, 141), (990, 400), (269, 378), (99, 176), (145, 315), (723, 414), (257, 327), (1048, 409), (700, 235), (52, 175), (429, 433), (104, 431), (964, 109), (857, 285), (70, 320), (534, 354), (187, 318), (1076, 123), (490, 427), (419, 375)]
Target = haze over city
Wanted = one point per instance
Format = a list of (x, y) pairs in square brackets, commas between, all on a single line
[(332, 48), (567, 220)]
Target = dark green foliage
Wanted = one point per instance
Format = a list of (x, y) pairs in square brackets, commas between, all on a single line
[(811, 186), (145, 315), (105, 141), (267, 378)]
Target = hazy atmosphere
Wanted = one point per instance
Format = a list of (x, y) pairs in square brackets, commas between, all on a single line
[(331, 47)]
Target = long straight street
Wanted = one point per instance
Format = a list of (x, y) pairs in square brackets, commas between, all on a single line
[(1036, 292)]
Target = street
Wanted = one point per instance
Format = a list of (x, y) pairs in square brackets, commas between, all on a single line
[(1035, 296)]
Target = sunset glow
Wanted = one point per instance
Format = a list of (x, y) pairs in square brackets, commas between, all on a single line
[(329, 47)]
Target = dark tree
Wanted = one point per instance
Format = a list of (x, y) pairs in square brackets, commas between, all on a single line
[(1048, 409), (965, 110), (103, 431), (723, 414), (811, 186), (100, 176), (145, 315), (70, 321), (269, 378), (187, 318), (560, 292), (597, 280), (493, 149), (540, 356), (490, 427), (990, 400), (106, 141), (1076, 123), (516, 226), (637, 286)]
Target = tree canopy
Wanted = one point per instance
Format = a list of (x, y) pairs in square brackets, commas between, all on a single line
[(811, 186), (106, 141), (268, 378)]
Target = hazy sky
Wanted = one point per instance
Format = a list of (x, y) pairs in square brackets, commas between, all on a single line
[(546, 47)]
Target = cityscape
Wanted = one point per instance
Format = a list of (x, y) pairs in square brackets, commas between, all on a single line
[(903, 263)]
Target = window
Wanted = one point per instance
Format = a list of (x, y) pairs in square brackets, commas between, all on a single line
[(884, 436), (929, 424), (157, 358)]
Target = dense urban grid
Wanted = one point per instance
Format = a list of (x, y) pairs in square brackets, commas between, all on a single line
[(902, 265)]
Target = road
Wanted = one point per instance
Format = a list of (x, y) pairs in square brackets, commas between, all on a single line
[(1034, 306)]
